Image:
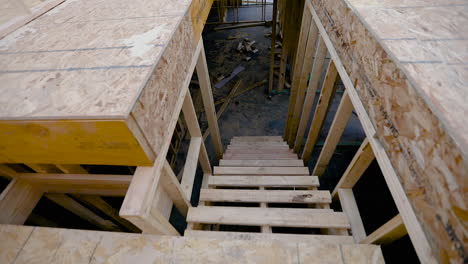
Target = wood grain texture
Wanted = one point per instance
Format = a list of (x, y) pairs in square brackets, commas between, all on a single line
[(265, 196), (415, 108), (264, 181), (34, 245)]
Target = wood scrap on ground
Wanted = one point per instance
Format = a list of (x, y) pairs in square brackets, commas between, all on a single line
[(253, 86)]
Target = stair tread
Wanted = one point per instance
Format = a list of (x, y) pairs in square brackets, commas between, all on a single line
[(258, 139), (284, 217), (267, 196), (293, 238), (259, 151), (265, 181), (263, 146), (261, 170), (259, 163), (269, 156)]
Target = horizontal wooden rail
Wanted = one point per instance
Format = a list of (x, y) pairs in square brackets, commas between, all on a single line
[(386, 234)]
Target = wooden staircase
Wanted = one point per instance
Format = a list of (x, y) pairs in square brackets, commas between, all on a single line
[(262, 190)]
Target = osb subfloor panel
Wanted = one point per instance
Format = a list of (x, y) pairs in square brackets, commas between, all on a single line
[(22, 244)]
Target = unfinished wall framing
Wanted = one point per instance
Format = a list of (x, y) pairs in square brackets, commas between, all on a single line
[(418, 144)]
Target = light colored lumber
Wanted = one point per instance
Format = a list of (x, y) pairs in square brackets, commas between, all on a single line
[(260, 147), (391, 231), (258, 151), (34, 245), (285, 217), (174, 189), (77, 180), (301, 88), (361, 161), (269, 156), (190, 167), (316, 73), (257, 139), (420, 240), (265, 181), (17, 201), (207, 96), (297, 67), (273, 46), (261, 163), (27, 16), (321, 110), (81, 211), (265, 196), (71, 168), (349, 206), (319, 239), (105, 208), (261, 171), (264, 228), (343, 113)]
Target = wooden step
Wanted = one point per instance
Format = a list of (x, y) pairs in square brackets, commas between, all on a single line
[(264, 181), (265, 196), (253, 216), (270, 146), (258, 151), (258, 144), (269, 156), (290, 238), (258, 139), (260, 163), (261, 171)]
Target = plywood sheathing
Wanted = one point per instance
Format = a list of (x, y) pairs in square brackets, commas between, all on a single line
[(408, 60), (36, 245), (88, 64)]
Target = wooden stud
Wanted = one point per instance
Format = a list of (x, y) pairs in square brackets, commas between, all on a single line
[(361, 161), (190, 168), (349, 206), (386, 234), (273, 44), (326, 96), (317, 68), (17, 202), (336, 130), (207, 95), (175, 190), (282, 70), (297, 68), (302, 83)]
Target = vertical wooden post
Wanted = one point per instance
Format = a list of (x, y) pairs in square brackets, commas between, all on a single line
[(317, 68), (207, 96), (17, 202), (336, 130), (326, 96), (297, 68), (273, 44)]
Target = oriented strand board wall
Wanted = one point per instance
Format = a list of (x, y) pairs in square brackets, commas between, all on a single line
[(430, 164)]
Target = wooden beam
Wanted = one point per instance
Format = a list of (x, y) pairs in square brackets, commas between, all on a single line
[(282, 70), (190, 167), (77, 180), (297, 68), (175, 190), (386, 234), (361, 161), (315, 75), (17, 202), (101, 205), (343, 113), (207, 96), (273, 44), (326, 96), (349, 206), (302, 82)]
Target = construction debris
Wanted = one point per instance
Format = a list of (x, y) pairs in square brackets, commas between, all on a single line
[(253, 86), (236, 71)]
